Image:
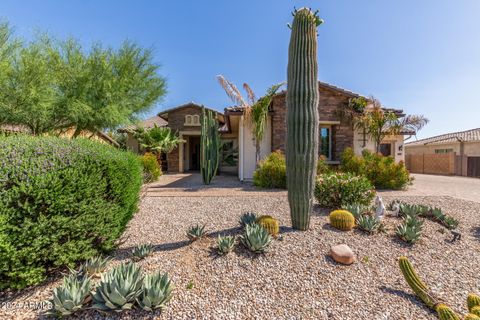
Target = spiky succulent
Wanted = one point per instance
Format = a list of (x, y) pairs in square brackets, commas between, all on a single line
[(196, 232), (256, 238), (71, 295), (368, 223), (450, 222), (409, 210), (142, 251), (156, 291), (118, 288), (356, 209), (95, 265), (411, 229), (247, 218), (225, 244), (437, 214)]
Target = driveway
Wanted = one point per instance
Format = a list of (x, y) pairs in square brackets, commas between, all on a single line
[(452, 186)]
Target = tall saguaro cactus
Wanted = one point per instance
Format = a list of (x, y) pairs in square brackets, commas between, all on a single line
[(210, 146), (302, 116)]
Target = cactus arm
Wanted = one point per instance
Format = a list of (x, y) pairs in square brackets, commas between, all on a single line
[(420, 289), (209, 146), (302, 116)]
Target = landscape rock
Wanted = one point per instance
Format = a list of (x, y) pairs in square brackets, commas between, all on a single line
[(342, 254)]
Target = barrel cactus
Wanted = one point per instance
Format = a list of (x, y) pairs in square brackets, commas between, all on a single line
[(420, 289), (209, 146), (445, 313), (473, 300), (342, 220), (476, 311), (471, 316), (270, 224), (302, 116)]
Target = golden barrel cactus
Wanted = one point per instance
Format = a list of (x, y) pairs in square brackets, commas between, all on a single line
[(473, 300), (445, 313), (470, 316), (270, 224), (342, 220)]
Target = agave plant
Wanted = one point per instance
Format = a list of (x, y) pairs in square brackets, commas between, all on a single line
[(256, 238), (142, 251), (450, 222), (71, 295), (409, 210), (438, 214), (247, 218), (156, 292), (196, 232), (118, 288), (368, 223), (225, 244), (95, 265), (356, 209), (411, 230)]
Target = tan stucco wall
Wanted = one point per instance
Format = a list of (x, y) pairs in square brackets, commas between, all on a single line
[(248, 149), (396, 141), (132, 143), (469, 148)]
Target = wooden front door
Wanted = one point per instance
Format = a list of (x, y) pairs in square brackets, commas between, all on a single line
[(194, 153), (473, 167)]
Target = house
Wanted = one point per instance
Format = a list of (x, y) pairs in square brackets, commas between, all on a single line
[(238, 143), (68, 133), (456, 153)]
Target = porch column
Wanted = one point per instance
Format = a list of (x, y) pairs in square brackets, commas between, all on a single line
[(180, 155)]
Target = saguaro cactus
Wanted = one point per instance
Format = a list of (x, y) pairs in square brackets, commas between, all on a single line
[(302, 116), (210, 146)]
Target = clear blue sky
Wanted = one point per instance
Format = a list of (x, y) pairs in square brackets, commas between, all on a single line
[(419, 55)]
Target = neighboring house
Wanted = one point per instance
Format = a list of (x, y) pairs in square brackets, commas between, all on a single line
[(451, 153), (97, 136), (238, 151)]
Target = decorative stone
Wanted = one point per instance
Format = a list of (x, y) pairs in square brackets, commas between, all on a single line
[(342, 254), (380, 208)]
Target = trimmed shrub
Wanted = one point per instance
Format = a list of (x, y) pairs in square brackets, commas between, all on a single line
[(271, 172), (383, 172), (151, 167), (61, 201), (337, 190), (322, 165)]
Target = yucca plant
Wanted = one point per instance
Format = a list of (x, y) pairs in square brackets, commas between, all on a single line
[(196, 232), (118, 288), (142, 251), (368, 223), (411, 230), (156, 291), (71, 295), (95, 265), (247, 218), (225, 244), (256, 238)]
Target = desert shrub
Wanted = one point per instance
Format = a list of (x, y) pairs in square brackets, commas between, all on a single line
[(338, 190), (322, 165), (383, 172), (271, 172), (61, 201), (151, 167)]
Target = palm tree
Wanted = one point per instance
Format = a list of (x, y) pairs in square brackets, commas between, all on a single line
[(379, 123), (255, 110), (157, 139)]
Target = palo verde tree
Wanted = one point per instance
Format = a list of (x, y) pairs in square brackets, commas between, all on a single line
[(255, 110), (302, 116), (376, 122)]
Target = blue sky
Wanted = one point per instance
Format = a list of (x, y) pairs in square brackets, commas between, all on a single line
[(422, 56)]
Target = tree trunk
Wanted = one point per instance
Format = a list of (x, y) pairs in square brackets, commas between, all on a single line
[(77, 132), (257, 152)]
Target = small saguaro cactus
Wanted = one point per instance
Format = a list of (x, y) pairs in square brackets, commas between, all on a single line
[(210, 146), (302, 115), (420, 289)]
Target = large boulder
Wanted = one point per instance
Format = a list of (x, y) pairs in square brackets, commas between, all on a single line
[(342, 254)]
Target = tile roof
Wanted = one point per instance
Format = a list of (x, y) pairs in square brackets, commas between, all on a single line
[(468, 135), (146, 124)]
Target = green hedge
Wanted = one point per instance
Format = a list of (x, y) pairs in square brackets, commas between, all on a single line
[(338, 189), (383, 172), (61, 201), (271, 172)]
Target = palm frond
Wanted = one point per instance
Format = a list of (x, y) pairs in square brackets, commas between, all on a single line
[(412, 122), (231, 90), (250, 93)]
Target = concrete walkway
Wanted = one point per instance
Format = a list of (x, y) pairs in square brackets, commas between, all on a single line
[(432, 185)]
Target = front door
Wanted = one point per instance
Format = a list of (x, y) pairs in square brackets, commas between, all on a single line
[(386, 149), (194, 153)]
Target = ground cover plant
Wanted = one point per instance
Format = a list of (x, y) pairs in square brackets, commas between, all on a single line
[(61, 201), (337, 190)]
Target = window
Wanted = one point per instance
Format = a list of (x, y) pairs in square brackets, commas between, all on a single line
[(443, 150), (326, 142), (192, 120), (386, 149)]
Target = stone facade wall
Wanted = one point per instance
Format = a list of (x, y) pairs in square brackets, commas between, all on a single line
[(330, 102)]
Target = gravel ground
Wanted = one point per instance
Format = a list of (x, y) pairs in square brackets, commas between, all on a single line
[(295, 279)]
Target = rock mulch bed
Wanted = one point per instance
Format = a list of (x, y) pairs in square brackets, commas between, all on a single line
[(296, 279)]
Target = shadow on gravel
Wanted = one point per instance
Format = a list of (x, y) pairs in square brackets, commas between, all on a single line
[(406, 296), (122, 253), (476, 233)]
